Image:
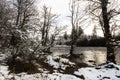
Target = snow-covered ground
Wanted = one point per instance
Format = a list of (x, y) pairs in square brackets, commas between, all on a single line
[(104, 72)]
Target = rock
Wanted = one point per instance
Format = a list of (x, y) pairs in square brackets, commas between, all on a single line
[(106, 78), (80, 76), (118, 76), (110, 66)]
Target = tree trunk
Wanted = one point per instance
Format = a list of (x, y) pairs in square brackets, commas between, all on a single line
[(73, 41), (71, 50), (107, 34)]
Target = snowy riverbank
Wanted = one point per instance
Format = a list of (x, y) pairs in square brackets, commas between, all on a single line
[(104, 72)]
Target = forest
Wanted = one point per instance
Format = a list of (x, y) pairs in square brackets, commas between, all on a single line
[(29, 31)]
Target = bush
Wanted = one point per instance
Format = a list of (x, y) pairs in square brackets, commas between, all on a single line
[(18, 65), (97, 42), (83, 42), (91, 43)]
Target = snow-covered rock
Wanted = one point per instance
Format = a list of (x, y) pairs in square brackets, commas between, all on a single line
[(104, 72), (108, 71)]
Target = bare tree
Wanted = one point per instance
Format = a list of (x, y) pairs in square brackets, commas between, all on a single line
[(56, 32), (105, 14), (5, 12), (5, 22), (76, 20), (24, 11), (94, 36), (47, 21), (65, 35)]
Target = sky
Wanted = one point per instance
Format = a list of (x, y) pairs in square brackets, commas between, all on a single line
[(61, 7)]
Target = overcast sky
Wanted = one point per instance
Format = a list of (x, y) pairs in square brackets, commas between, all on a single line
[(61, 7)]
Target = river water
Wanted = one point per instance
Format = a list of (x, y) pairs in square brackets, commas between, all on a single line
[(90, 55)]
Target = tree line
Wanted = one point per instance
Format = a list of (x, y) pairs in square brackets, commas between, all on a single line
[(103, 13), (26, 31)]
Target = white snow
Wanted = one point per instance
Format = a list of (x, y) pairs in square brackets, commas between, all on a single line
[(100, 74), (60, 64), (52, 62), (103, 72)]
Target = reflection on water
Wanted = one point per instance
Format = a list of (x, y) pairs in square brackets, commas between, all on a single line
[(117, 53), (90, 55)]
